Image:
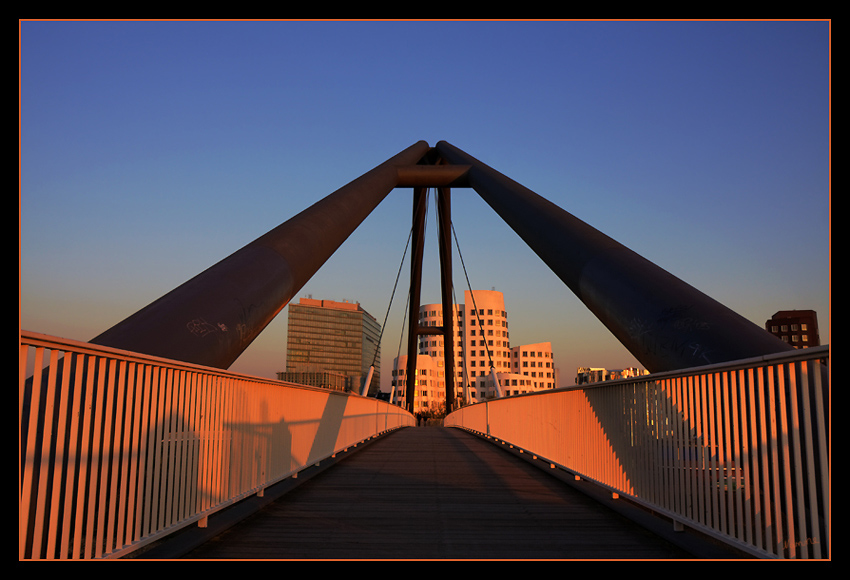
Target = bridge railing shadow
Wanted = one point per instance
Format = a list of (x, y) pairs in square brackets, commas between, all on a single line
[(119, 450), (739, 451)]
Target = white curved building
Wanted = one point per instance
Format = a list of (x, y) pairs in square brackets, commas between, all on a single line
[(482, 345)]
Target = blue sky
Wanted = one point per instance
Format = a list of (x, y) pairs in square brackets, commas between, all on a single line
[(151, 150)]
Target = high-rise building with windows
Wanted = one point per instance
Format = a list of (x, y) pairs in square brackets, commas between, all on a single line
[(482, 348), (332, 338), (799, 328)]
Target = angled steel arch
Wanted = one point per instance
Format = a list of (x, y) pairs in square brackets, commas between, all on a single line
[(665, 323), (212, 318)]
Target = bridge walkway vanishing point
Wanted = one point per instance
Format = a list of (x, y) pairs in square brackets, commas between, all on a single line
[(440, 493)]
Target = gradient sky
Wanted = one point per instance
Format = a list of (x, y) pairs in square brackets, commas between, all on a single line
[(151, 150)]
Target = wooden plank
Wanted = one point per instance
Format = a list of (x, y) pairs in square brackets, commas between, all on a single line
[(435, 493)]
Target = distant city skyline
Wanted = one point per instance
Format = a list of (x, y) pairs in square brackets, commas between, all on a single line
[(151, 150), (480, 346)]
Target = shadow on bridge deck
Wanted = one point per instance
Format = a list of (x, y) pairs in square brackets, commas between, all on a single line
[(436, 493)]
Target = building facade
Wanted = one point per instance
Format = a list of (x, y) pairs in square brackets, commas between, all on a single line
[(482, 349), (322, 380), (327, 338), (587, 375), (799, 328)]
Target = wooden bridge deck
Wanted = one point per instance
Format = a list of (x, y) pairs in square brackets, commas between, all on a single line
[(436, 493)]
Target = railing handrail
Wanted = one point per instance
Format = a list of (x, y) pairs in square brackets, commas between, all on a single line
[(59, 343), (120, 449), (799, 354), (738, 450), (259, 406)]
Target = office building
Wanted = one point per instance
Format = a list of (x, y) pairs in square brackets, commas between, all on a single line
[(799, 328), (326, 339), (322, 380), (481, 348)]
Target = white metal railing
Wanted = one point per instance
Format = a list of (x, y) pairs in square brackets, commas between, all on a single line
[(739, 451), (118, 449)]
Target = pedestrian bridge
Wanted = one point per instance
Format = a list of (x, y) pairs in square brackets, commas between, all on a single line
[(127, 455), (140, 434)]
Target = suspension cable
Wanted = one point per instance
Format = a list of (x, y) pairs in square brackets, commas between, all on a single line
[(407, 304), (472, 293), (395, 286), (389, 306), (464, 383), (403, 324)]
